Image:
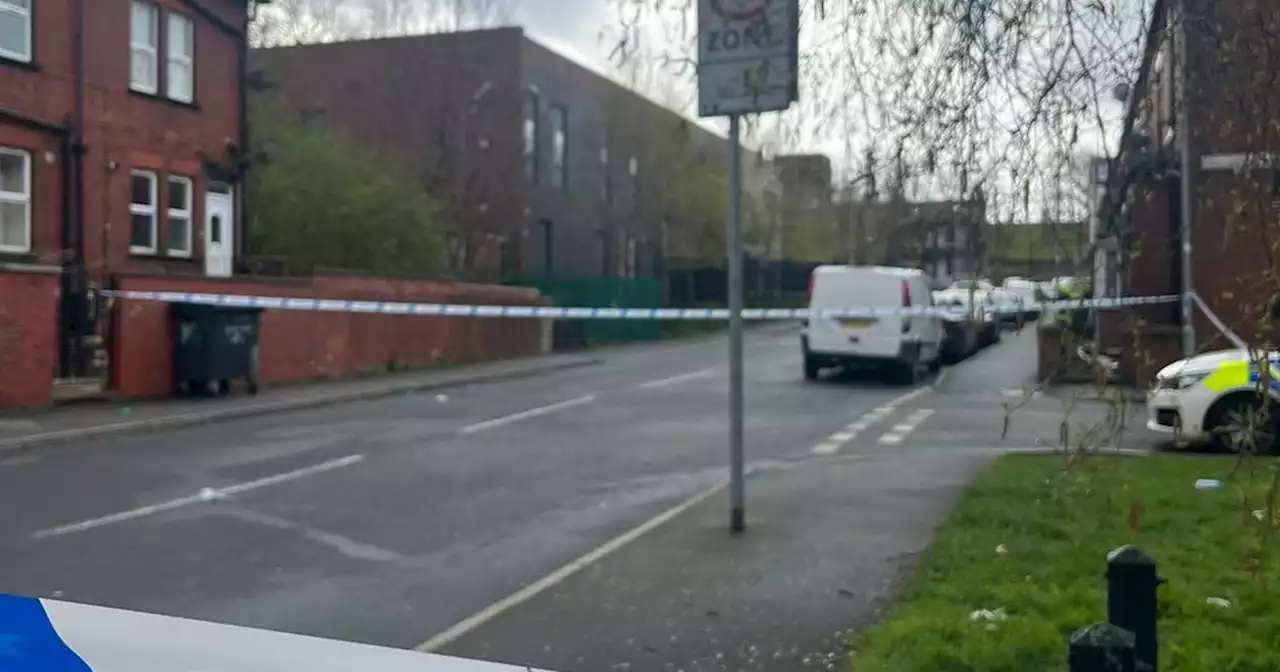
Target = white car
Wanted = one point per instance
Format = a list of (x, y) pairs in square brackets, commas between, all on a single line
[(1218, 396), (890, 342)]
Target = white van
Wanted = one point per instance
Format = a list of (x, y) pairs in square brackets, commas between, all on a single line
[(899, 346)]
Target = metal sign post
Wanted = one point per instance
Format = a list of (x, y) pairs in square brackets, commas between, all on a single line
[(747, 64)]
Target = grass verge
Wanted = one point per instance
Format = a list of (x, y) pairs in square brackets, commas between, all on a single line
[(1031, 536)]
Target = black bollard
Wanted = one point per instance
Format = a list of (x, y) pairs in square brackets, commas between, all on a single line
[(1101, 647), (1131, 600)]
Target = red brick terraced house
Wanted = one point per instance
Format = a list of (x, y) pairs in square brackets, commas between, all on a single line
[(1222, 60), (122, 124)]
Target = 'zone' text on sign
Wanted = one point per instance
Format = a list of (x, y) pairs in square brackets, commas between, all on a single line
[(758, 34)]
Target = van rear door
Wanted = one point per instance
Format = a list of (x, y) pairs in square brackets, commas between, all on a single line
[(856, 288)]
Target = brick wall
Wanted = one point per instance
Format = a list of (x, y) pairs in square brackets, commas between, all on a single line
[(304, 345), (28, 328)]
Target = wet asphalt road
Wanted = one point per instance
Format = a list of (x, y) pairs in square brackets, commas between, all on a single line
[(387, 521)]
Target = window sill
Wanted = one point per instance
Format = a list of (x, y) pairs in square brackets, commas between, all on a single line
[(16, 257), (29, 66), (162, 99), (143, 252)]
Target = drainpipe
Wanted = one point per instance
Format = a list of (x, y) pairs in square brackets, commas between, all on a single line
[(242, 240), (1182, 106), (74, 290)]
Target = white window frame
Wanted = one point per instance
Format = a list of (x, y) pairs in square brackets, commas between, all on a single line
[(187, 60), (21, 198), (152, 51), (9, 7), (187, 213), (147, 210)]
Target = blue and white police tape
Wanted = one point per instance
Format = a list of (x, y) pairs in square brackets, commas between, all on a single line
[(548, 312), (56, 636)]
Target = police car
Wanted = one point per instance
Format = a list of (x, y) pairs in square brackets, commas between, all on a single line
[(1221, 397)]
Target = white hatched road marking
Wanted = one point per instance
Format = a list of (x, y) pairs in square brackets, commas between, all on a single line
[(202, 497), (840, 439), (525, 415), (898, 432)]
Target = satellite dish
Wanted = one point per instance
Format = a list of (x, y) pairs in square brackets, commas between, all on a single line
[(1121, 92)]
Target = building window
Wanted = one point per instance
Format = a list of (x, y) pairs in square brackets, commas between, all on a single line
[(531, 137), (179, 76), (15, 200), (179, 216), (15, 30), (605, 194), (559, 147), (142, 212), (633, 167), (144, 43)]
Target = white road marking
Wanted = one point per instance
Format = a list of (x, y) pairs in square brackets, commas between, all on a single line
[(532, 590), (663, 382), (914, 394), (826, 448), (832, 444), (525, 415), (346, 546), (172, 504), (898, 432)]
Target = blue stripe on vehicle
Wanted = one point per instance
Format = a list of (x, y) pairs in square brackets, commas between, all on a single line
[(29, 642)]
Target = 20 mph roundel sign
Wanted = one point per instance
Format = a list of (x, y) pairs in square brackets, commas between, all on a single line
[(739, 10)]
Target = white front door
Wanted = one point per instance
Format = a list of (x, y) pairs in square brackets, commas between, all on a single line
[(219, 230)]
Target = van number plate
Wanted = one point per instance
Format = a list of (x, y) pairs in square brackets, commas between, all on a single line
[(857, 322)]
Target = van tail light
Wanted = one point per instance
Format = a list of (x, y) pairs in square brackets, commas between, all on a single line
[(808, 299), (906, 303)]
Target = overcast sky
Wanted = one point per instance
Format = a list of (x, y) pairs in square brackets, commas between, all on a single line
[(569, 26)]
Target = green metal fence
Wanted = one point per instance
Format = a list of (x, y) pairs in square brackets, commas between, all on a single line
[(600, 292)]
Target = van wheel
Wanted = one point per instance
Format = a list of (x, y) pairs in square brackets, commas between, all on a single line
[(811, 368)]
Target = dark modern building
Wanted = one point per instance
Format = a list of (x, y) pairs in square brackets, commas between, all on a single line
[(547, 167)]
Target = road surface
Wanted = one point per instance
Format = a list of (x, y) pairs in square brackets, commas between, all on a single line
[(388, 521)]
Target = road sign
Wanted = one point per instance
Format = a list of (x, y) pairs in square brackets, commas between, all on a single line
[(747, 56)]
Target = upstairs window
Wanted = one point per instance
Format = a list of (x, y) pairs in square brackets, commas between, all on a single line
[(15, 30), (179, 76), (144, 44)]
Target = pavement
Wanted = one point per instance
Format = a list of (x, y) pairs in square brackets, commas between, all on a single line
[(829, 540), (571, 519)]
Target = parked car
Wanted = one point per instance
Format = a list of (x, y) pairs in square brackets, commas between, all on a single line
[(960, 331), (1030, 294), (1010, 309), (899, 346), (980, 307), (966, 285)]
